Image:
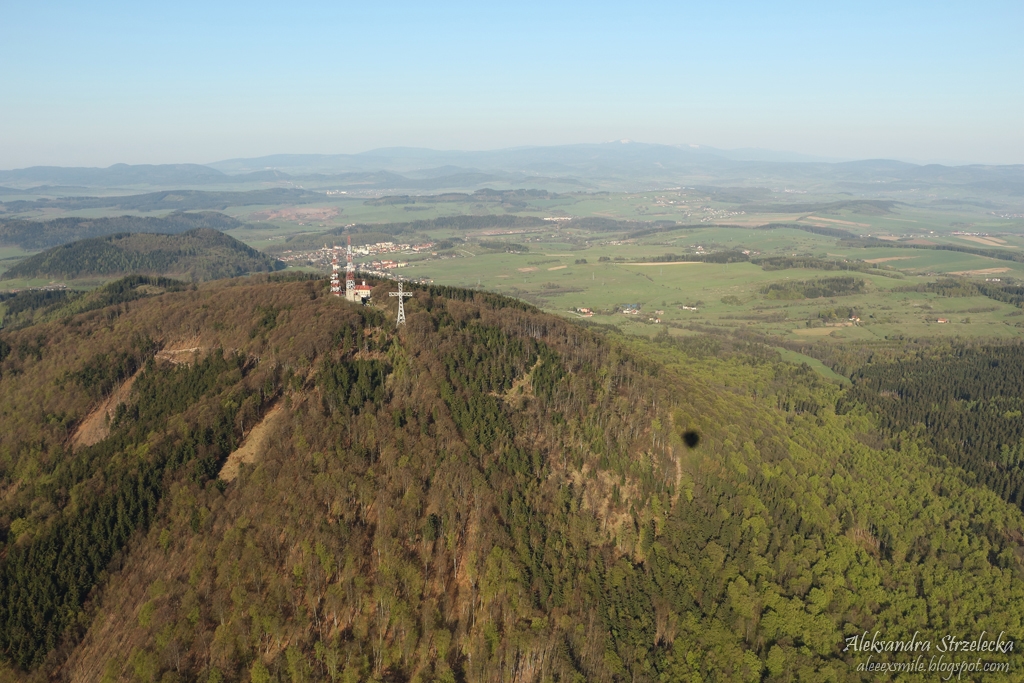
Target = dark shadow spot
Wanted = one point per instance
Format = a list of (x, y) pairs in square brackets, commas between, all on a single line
[(691, 438)]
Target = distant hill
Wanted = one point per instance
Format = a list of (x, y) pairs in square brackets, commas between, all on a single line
[(625, 159), (200, 254), (623, 166), (175, 200), (126, 175), (118, 174), (32, 235)]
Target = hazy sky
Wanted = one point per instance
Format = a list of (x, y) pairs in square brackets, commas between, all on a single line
[(159, 82)]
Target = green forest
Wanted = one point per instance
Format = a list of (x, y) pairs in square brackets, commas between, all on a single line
[(814, 289), (30, 306), (33, 235), (962, 287), (198, 254), (964, 402), (489, 493)]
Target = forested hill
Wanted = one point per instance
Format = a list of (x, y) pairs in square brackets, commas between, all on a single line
[(33, 235), (252, 480), (199, 254)]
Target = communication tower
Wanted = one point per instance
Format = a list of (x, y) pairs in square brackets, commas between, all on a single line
[(350, 273), (335, 281)]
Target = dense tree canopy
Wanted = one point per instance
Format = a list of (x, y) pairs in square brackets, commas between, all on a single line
[(34, 235), (199, 254), (488, 494)]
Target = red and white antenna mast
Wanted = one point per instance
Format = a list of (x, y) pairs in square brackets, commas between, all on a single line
[(335, 279), (350, 274)]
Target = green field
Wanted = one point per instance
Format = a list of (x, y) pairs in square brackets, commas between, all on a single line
[(556, 283), (9, 256), (814, 364), (554, 276)]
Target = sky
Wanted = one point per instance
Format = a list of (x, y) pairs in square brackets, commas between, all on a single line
[(92, 84)]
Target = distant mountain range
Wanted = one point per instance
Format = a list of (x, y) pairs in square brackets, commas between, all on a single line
[(557, 160), (616, 165), (126, 175), (170, 200)]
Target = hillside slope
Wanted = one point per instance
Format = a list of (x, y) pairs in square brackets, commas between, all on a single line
[(27, 307), (32, 235), (488, 494), (199, 254)]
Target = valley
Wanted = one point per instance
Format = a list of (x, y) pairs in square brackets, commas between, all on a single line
[(586, 250)]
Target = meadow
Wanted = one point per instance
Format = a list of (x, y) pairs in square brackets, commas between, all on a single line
[(11, 255), (556, 283), (565, 270), (568, 267)]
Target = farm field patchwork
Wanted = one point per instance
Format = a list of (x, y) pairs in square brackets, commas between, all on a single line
[(646, 266)]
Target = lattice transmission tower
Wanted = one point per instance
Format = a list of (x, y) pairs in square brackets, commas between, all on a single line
[(401, 303)]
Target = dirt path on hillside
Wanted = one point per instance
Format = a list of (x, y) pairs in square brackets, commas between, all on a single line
[(836, 220), (255, 444), (983, 271), (96, 426), (179, 356), (987, 241), (661, 263), (887, 259)]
